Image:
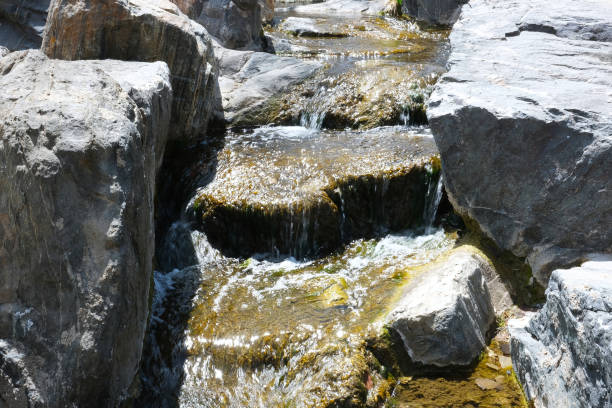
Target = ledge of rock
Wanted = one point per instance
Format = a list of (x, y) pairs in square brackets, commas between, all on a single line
[(81, 142), (444, 313), (522, 120), (248, 80), (142, 30), (301, 192), (22, 23), (563, 353)]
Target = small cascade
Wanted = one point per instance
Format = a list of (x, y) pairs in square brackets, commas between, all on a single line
[(432, 202), (312, 120)]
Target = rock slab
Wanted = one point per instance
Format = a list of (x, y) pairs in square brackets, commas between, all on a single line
[(563, 353), (442, 12), (523, 121), (142, 30), (80, 143), (444, 313)]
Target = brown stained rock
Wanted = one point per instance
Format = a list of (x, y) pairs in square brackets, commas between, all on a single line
[(486, 384), (141, 30), (300, 192)]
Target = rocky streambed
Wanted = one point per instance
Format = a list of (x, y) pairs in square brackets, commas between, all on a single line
[(241, 203), (285, 278)]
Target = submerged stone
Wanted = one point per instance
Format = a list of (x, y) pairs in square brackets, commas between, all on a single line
[(443, 315), (301, 192)]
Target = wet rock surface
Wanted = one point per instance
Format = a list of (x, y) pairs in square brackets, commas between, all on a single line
[(142, 30), (80, 145), (526, 105), (22, 23), (563, 353), (444, 314), (303, 192)]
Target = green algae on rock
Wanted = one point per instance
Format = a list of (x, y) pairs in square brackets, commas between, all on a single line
[(301, 192)]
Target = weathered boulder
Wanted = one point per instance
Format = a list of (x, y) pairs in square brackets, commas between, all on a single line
[(236, 24), (79, 146), (296, 191), (444, 313), (444, 12), (142, 30), (248, 80), (523, 121), (563, 353), (22, 23), (4, 51)]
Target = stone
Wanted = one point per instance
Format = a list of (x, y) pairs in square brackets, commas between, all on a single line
[(4, 51), (22, 23), (562, 354), (267, 10), (343, 7), (297, 191), (522, 120), (440, 12), (486, 384), (444, 313), (505, 362), (80, 143), (236, 24), (249, 80), (307, 27), (142, 30)]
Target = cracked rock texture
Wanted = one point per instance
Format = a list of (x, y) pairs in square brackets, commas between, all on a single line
[(444, 313), (523, 121), (80, 143), (22, 23), (142, 30), (563, 353)]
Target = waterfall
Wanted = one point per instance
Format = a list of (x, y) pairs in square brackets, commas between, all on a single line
[(432, 201)]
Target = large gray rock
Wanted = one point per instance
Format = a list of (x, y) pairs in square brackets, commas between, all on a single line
[(79, 146), (236, 24), (523, 121), (563, 354), (22, 23), (142, 30), (443, 12), (248, 80), (444, 313)]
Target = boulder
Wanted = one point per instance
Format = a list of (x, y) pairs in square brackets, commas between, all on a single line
[(142, 30), (22, 23), (80, 143), (249, 80), (4, 51), (236, 24), (440, 12), (563, 353), (444, 313), (522, 120)]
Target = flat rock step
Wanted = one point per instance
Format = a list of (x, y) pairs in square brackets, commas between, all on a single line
[(297, 191)]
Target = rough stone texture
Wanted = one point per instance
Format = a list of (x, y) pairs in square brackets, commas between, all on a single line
[(523, 121), (444, 313), (79, 146), (3, 51), (236, 24), (22, 23), (249, 79), (444, 12), (142, 30), (563, 353)]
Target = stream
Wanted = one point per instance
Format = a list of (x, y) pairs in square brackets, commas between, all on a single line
[(273, 283)]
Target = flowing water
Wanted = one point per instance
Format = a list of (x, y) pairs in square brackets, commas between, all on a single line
[(297, 240)]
